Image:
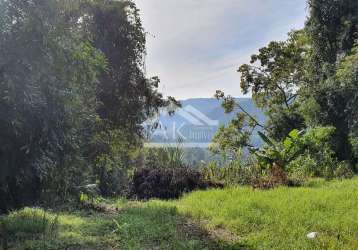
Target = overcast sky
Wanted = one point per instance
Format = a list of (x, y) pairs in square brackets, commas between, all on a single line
[(196, 46)]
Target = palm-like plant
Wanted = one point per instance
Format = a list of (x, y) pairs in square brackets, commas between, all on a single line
[(171, 157), (277, 153)]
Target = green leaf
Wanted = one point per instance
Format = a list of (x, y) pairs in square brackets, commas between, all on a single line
[(294, 134), (288, 143), (266, 139), (263, 157)]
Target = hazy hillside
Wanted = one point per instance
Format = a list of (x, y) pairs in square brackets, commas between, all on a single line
[(198, 120)]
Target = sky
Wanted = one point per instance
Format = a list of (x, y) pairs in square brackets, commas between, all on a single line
[(196, 46)]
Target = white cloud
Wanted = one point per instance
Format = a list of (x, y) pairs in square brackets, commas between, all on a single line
[(199, 44)]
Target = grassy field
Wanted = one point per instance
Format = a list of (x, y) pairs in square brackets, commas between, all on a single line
[(144, 227), (233, 218), (281, 218)]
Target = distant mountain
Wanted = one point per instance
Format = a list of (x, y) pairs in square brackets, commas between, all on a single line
[(198, 120)]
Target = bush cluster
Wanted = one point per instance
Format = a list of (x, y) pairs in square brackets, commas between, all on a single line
[(164, 183)]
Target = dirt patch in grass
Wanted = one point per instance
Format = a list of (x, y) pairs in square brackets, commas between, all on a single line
[(78, 247), (217, 238)]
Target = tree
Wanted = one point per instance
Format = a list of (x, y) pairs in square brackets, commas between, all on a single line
[(299, 82), (126, 96), (47, 80), (274, 77), (332, 28), (347, 76)]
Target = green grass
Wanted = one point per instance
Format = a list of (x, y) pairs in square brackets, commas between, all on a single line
[(232, 218), (29, 222), (135, 226), (281, 218)]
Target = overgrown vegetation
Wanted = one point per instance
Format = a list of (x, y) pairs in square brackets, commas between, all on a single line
[(280, 218), (74, 96), (168, 183), (231, 218), (307, 86), (164, 157), (70, 101), (138, 226)]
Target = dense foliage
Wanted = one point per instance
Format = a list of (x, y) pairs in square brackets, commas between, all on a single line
[(167, 183), (72, 93), (74, 96), (47, 78), (307, 83)]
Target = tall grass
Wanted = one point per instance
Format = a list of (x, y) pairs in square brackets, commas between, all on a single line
[(275, 219), (27, 223), (281, 218), (165, 157), (171, 157), (137, 226), (234, 173)]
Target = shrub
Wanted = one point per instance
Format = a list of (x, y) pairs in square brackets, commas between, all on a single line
[(301, 154), (276, 176), (234, 173), (29, 221), (117, 152), (164, 157), (279, 153), (167, 183), (304, 165), (344, 171)]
